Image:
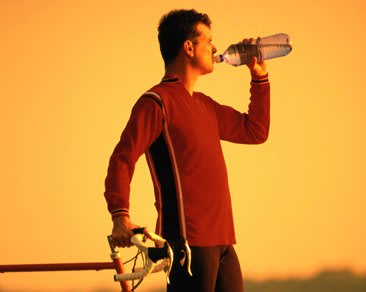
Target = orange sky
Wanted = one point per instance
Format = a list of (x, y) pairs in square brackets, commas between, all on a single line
[(70, 73)]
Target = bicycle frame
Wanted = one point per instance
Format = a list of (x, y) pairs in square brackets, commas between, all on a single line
[(156, 259), (116, 265)]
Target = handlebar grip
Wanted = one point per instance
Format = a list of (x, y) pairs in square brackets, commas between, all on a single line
[(139, 230)]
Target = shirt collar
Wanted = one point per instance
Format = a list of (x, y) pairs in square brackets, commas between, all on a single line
[(170, 78)]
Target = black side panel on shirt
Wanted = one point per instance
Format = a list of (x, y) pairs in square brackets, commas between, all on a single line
[(164, 170)]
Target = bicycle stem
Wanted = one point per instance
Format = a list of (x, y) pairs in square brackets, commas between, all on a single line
[(118, 264)]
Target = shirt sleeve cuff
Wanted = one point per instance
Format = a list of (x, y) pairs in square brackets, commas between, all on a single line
[(120, 213), (260, 79)]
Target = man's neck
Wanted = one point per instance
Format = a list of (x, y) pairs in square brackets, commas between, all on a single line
[(186, 75)]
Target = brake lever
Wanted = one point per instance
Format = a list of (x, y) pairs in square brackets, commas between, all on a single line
[(183, 252), (188, 252)]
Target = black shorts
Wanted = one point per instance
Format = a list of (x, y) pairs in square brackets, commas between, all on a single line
[(214, 269)]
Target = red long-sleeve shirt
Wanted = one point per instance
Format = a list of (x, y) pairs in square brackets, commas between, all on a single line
[(180, 135)]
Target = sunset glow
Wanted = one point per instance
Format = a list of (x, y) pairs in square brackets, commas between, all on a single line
[(71, 72)]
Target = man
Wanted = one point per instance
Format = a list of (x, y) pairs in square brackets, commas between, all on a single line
[(179, 130)]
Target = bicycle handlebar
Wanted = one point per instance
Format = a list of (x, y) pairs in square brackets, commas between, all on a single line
[(157, 258)]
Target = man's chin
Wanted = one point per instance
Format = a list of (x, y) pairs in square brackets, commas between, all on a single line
[(208, 71)]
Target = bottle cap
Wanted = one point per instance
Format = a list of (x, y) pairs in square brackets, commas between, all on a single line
[(219, 58)]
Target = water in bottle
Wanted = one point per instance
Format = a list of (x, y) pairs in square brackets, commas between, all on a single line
[(265, 48)]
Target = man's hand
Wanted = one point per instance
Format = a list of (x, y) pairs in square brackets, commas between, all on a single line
[(257, 69), (122, 231)]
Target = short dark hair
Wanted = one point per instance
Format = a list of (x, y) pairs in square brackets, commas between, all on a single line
[(175, 28)]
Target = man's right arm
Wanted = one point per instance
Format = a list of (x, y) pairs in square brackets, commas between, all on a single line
[(142, 129)]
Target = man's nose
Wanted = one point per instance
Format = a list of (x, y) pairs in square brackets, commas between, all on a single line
[(214, 50)]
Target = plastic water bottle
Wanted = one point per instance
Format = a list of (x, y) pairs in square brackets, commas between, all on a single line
[(265, 48)]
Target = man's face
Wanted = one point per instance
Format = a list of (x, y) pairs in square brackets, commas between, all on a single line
[(204, 49)]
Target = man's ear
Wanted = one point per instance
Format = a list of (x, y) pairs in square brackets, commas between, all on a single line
[(188, 48)]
